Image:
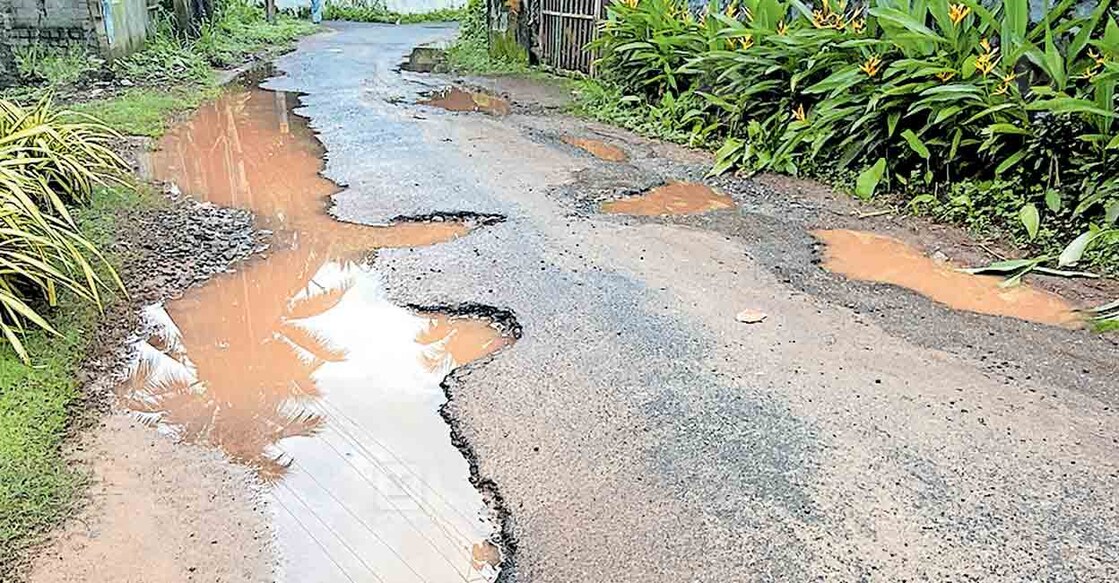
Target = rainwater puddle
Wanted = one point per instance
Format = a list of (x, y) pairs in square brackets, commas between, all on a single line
[(597, 148), (298, 365), (456, 99), (871, 257), (674, 198)]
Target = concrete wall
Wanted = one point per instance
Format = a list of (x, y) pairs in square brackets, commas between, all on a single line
[(6, 65), (107, 27)]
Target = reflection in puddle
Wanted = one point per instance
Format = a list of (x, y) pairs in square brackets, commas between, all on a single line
[(675, 198), (455, 99), (597, 148), (872, 257), (299, 366)]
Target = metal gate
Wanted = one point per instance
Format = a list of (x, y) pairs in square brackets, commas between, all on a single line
[(566, 26)]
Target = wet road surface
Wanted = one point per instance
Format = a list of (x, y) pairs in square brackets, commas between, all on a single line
[(298, 366), (626, 427)]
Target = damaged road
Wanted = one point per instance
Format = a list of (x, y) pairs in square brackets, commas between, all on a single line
[(564, 296)]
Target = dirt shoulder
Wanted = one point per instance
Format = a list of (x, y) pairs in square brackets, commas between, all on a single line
[(159, 511)]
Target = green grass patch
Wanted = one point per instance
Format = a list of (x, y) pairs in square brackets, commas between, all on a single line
[(146, 111), (366, 11), (54, 65), (38, 485)]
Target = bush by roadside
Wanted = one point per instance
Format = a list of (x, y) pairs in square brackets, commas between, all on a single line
[(971, 114), (374, 11)]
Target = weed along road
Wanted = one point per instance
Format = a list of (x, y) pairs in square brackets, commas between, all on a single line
[(490, 341)]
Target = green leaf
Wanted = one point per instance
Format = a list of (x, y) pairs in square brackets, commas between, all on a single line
[(915, 144), (1074, 251), (921, 199), (1053, 199), (1070, 105), (1015, 22), (1006, 266), (1030, 218), (726, 157), (1010, 161), (868, 180)]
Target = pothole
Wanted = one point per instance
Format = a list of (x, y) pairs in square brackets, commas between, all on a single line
[(674, 198), (878, 258), (597, 148), (457, 99), (299, 366)]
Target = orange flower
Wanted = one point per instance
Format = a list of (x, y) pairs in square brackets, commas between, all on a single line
[(871, 66), (957, 12), (988, 59)]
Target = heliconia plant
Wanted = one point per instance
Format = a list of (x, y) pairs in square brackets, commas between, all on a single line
[(910, 95)]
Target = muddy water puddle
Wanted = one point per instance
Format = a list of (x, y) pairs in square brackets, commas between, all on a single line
[(872, 257), (675, 198), (597, 148), (299, 366), (456, 99)]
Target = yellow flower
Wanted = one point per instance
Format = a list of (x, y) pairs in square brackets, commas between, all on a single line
[(798, 113), (945, 76), (957, 12), (988, 59), (744, 42), (856, 24), (1007, 80), (819, 19), (782, 28), (630, 3), (1097, 63), (871, 66), (732, 10)]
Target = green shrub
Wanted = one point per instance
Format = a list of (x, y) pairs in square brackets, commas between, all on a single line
[(53, 65), (917, 96), (47, 162), (237, 30), (374, 11)]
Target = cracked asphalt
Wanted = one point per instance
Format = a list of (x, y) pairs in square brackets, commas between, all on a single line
[(638, 432)]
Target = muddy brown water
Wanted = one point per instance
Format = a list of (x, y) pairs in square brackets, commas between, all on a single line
[(597, 148), (676, 198), (872, 257), (456, 99), (297, 365)]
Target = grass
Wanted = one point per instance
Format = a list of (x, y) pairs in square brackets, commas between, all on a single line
[(365, 11), (38, 485), (475, 52), (54, 65), (145, 111)]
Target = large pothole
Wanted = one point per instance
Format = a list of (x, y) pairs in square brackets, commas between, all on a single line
[(299, 366), (674, 198), (878, 258)]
